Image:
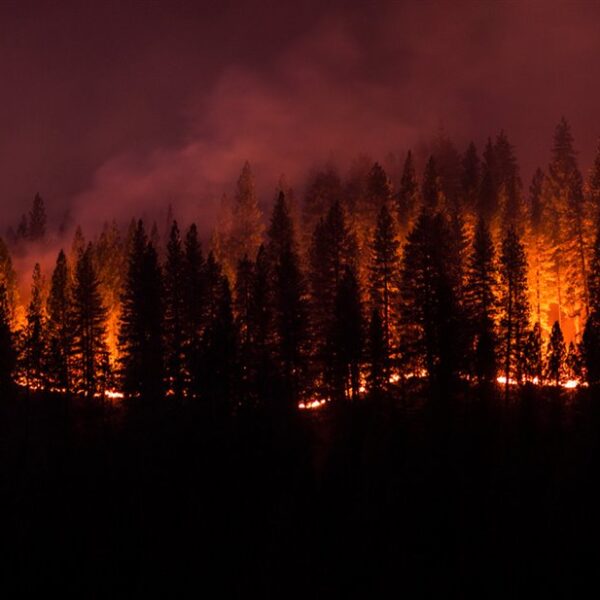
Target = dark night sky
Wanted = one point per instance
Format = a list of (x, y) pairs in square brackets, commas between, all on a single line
[(118, 108)]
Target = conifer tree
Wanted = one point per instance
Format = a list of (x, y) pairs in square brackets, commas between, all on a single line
[(34, 335), (346, 338), (430, 311), (556, 354), (333, 248), (535, 215), (571, 218), (140, 336), (60, 326), (508, 182), (194, 291), (174, 315), (408, 194), (247, 226), (481, 306), (514, 316), (262, 326), (384, 280), (290, 308), (7, 347), (89, 329)]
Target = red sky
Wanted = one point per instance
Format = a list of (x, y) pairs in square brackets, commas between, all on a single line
[(120, 107)]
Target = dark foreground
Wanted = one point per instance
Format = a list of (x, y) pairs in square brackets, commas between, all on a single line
[(475, 499)]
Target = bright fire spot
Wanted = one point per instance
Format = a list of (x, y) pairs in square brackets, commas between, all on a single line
[(572, 383), (113, 395), (362, 389), (502, 380), (394, 378), (312, 404)]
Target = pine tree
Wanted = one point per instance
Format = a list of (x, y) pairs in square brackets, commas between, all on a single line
[(556, 355), (535, 213), (346, 338), (174, 315), (110, 261), (60, 326), (408, 194), (34, 335), (290, 308), (514, 316), (8, 355), (247, 225), (37, 220), (430, 311), (571, 216), (480, 300), (89, 329), (140, 336), (333, 248), (261, 320), (508, 183), (194, 290), (384, 280)]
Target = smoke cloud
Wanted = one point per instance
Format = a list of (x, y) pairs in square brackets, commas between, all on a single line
[(120, 110)]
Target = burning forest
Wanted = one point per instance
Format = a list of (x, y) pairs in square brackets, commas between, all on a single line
[(450, 271)]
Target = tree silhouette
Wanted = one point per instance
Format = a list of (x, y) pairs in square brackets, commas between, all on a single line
[(8, 355), (346, 338), (384, 275), (60, 326), (556, 355), (481, 306), (89, 329), (140, 336), (430, 314), (174, 314), (514, 316), (34, 335), (290, 308)]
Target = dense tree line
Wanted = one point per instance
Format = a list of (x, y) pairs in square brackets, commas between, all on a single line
[(373, 282)]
